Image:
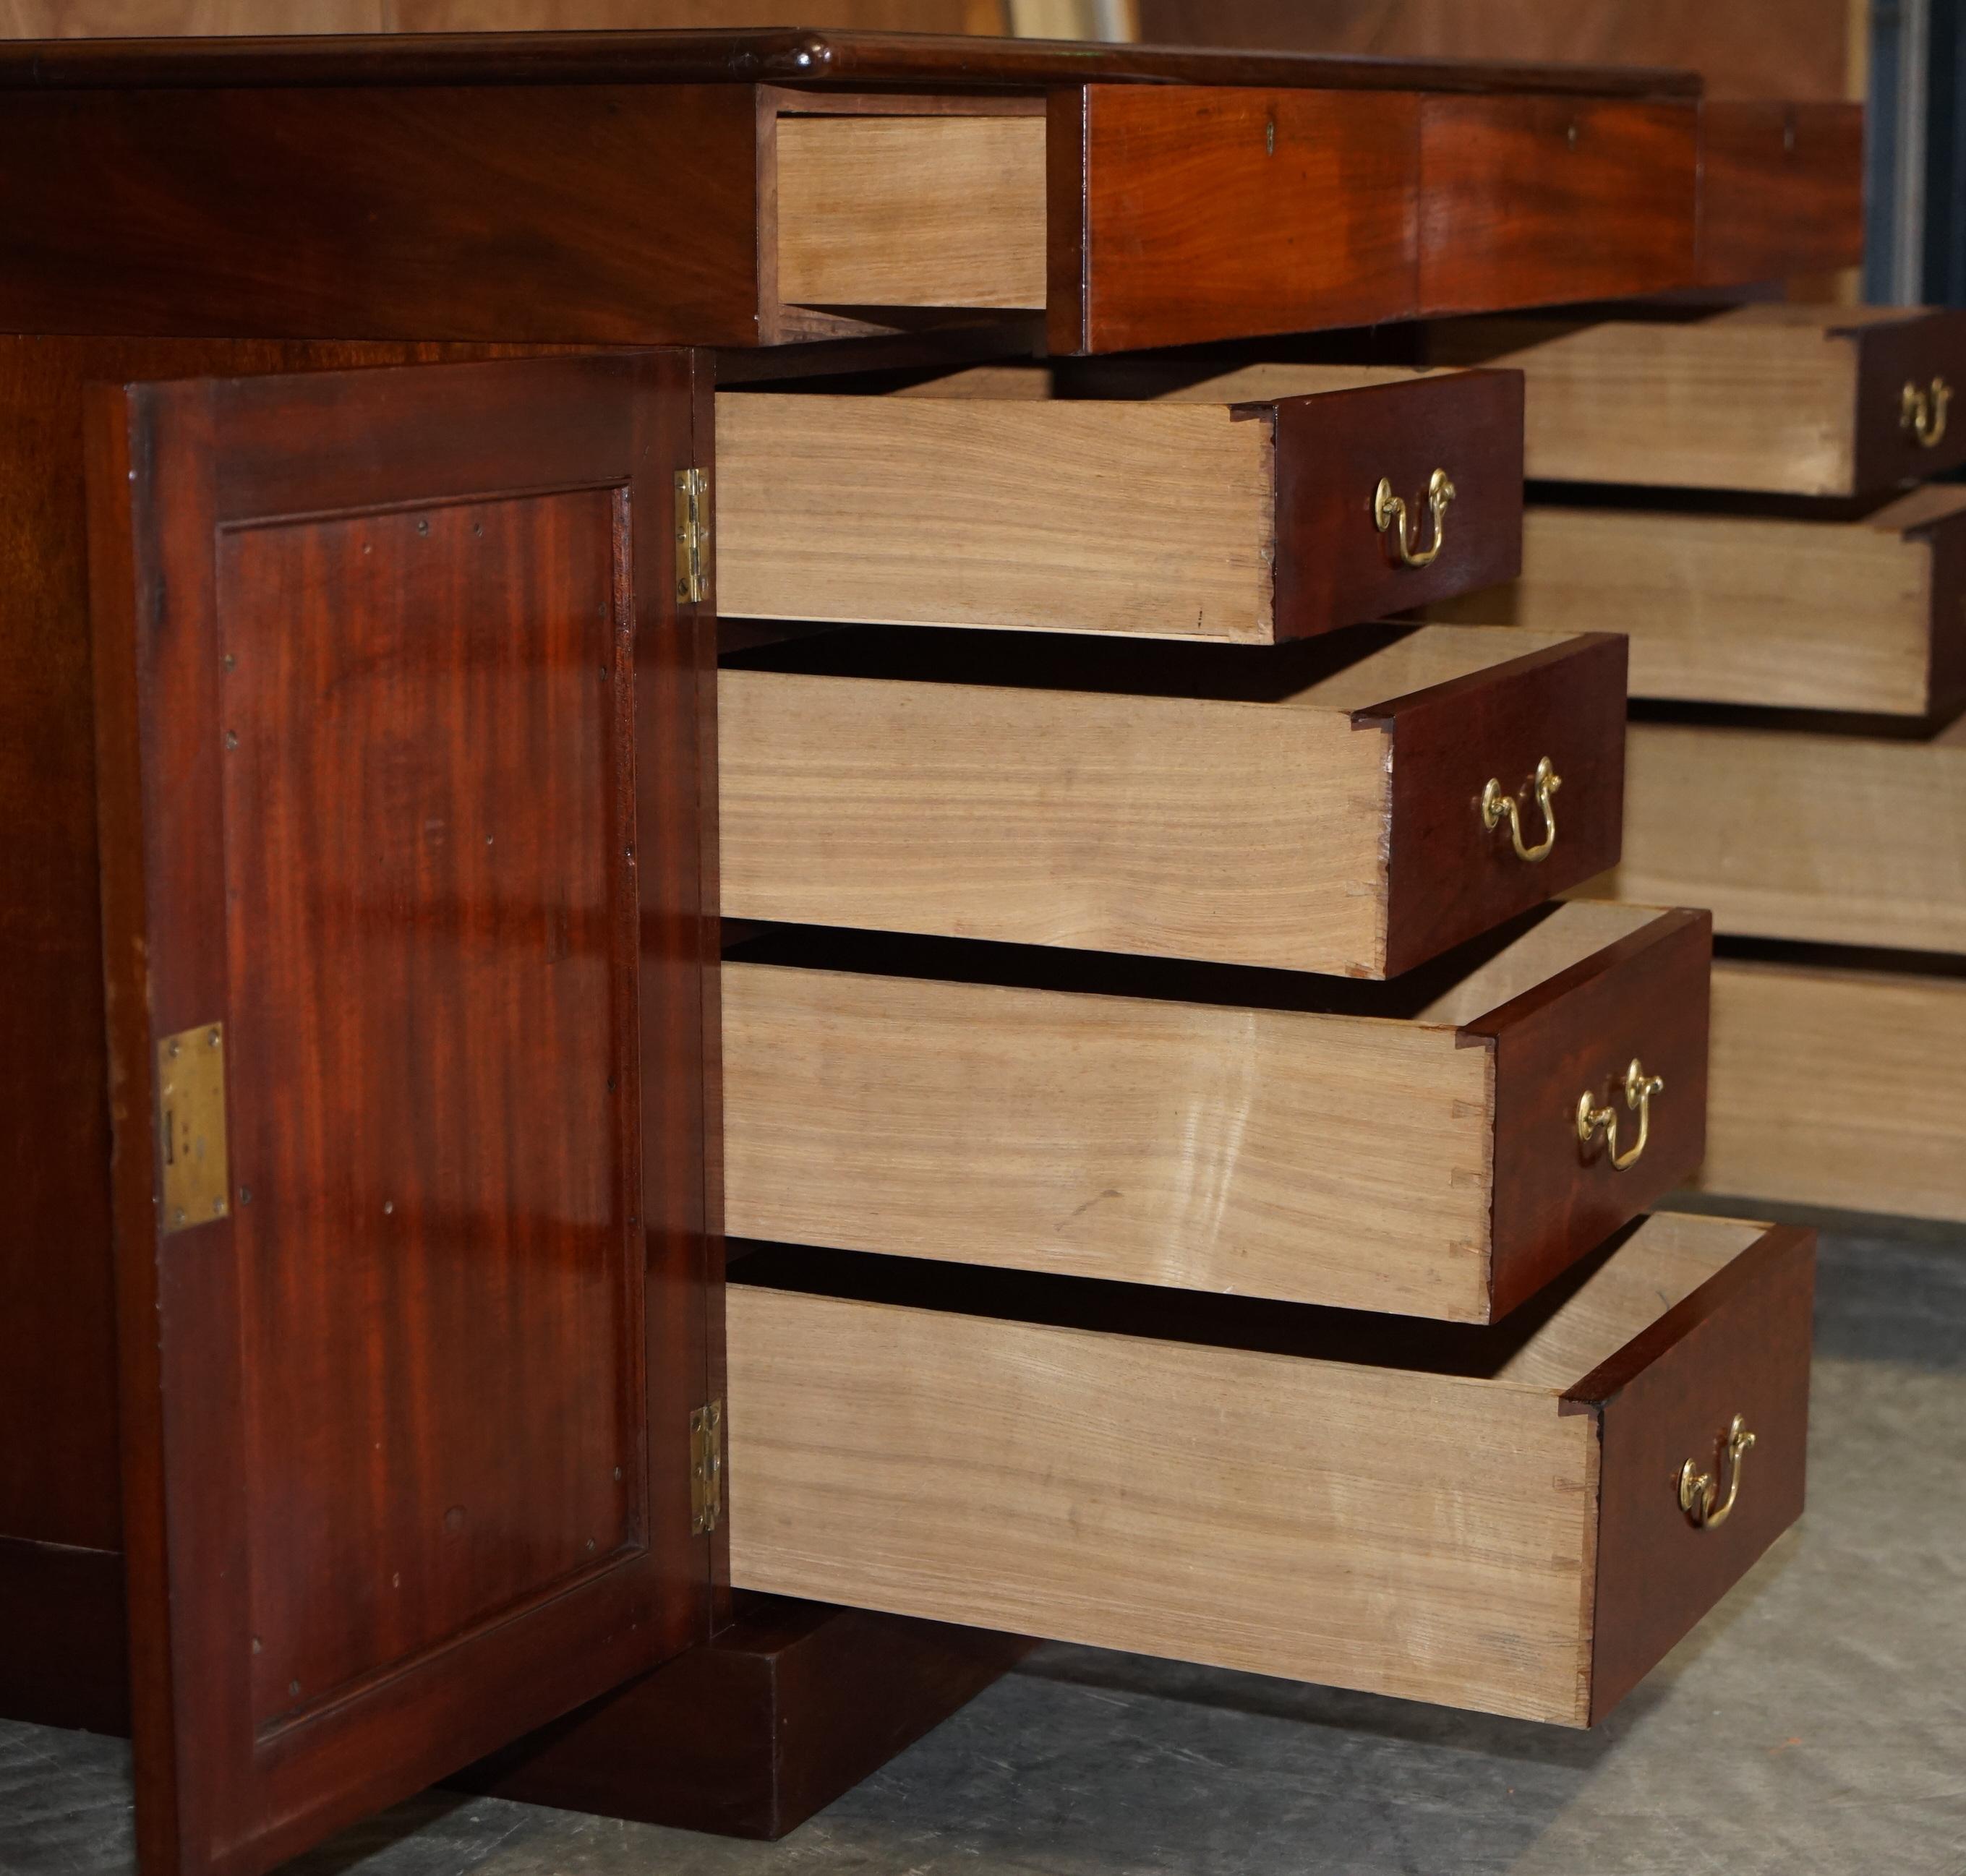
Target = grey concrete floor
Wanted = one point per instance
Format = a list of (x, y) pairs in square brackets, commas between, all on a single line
[(1814, 1723)]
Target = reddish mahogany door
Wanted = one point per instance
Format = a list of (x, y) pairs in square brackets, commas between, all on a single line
[(404, 841)]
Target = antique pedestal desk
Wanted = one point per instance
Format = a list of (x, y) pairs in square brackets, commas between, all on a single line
[(1190, 1182)]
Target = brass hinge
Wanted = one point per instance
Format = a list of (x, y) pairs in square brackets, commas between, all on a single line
[(692, 535), (191, 1126), (706, 1467)]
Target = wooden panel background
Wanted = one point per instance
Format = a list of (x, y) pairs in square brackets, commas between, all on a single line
[(1745, 48)]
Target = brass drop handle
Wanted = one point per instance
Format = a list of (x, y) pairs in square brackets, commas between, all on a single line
[(1389, 513), (1639, 1089), (1497, 807), (1698, 1490), (1922, 411)]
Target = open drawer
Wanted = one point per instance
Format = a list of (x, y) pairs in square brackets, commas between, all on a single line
[(1411, 1147), (1773, 610), (1318, 807), (1249, 521), (1489, 1517), (1772, 397)]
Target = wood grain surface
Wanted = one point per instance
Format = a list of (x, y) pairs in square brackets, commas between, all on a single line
[(1333, 437), (311, 666), (1645, 998), (482, 54), (1777, 398), (1826, 839), (59, 1477), (1781, 189), (1244, 1509), (1318, 811), (1179, 215), (1181, 1127), (1781, 611), (1057, 1461), (1085, 517), (1532, 201), (896, 210), (1334, 565), (1739, 1345), (786, 1709), (536, 212), (1565, 701), (1753, 49), (1838, 1086)]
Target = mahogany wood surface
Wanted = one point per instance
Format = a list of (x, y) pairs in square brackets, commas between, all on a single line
[(1529, 201), (313, 666), (785, 1710), (1739, 1344), (1206, 211), (1567, 704), (1646, 996), (1333, 565), (1781, 189), (783, 56), (1945, 660), (536, 212), (58, 1465), (635, 202), (1747, 49), (1891, 354)]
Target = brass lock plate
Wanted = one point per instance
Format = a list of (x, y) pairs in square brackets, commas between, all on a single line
[(191, 1126)]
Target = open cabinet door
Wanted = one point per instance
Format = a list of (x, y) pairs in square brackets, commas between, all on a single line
[(403, 733)]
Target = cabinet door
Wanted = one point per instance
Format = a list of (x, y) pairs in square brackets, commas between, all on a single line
[(406, 927)]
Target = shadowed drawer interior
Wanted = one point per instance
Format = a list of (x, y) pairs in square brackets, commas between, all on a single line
[(1253, 523), (1484, 1517), (1316, 807), (1409, 1147)]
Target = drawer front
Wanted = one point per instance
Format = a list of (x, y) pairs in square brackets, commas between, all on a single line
[(1574, 1036), (1911, 373), (1444, 1516), (1738, 1346), (1345, 835), (1195, 1131), (1781, 190), (1531, 202), (1207, 212), (1392, 495), (1453, 875)]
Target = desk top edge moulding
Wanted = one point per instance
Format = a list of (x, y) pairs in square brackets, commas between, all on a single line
[(1107, 197), (780, 56)]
